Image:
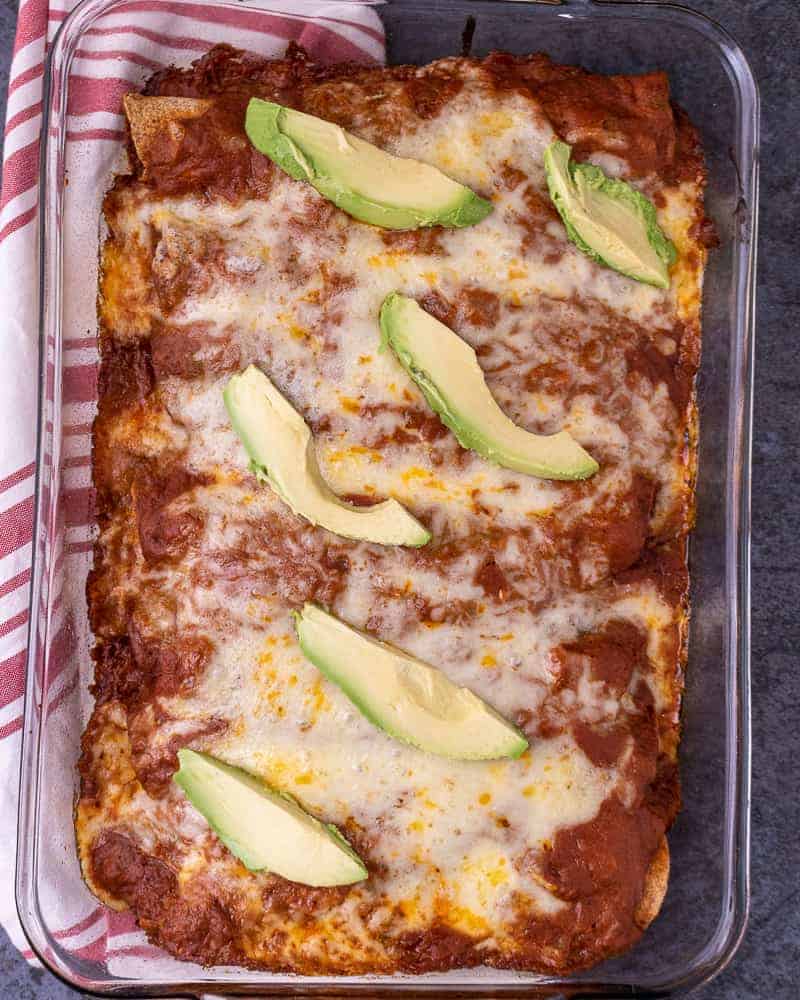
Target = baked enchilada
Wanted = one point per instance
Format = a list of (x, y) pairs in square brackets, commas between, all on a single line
[(394, 459)]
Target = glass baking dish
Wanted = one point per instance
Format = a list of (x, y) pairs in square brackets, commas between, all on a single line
[(705, 911)]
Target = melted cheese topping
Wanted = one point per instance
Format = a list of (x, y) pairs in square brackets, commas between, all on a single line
[(295, 287)]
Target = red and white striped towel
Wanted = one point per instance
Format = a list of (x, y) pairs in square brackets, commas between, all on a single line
[(114, 55)]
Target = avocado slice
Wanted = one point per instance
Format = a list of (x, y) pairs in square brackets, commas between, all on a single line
[(281, 451), (403, 696), (366, 182), (447, 371), (266, 829), (607, 219)]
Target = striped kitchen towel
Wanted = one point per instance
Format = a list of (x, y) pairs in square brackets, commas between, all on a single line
[(129, 40)]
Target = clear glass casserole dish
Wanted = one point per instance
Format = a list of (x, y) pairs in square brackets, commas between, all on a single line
[(705, 911)]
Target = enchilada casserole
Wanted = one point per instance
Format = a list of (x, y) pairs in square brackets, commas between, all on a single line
[(562, 604)]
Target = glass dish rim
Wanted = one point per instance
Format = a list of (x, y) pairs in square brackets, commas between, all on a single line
[(722, 945)]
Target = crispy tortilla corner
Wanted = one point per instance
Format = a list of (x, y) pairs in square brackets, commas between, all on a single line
[(156, 124)]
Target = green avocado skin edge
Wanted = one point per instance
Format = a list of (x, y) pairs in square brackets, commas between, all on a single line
[(558, 154), (262, 125), (263, 128)]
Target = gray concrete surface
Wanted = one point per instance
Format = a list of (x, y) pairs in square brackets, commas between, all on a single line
[(768, 962)]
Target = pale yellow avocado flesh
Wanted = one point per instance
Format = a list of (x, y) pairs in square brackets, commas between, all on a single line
[(266, 829), (624, 242), (371, 173), (608, 219), (367, 182), (282, 453), (403, 696), (446, 368)]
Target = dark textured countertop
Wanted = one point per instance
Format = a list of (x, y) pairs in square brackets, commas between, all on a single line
[(768, 960)]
